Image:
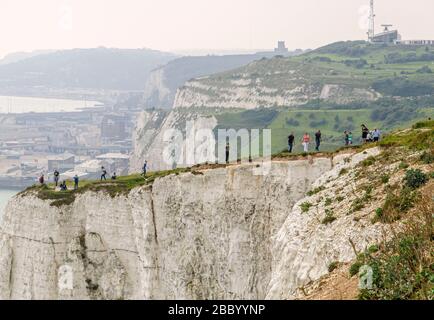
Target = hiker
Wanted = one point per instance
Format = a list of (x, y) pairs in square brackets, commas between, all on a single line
[(317, 140), (76, 180), (104, 173), (227, 152), (145, 168), (63, 186), (365, 132), (305, 142), (42, 179), (369, 137), (56, 177), (350, 138), (114, 176), (347, 138), (376, 135), (290, 142)]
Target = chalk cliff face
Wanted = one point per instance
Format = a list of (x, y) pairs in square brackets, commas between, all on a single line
[(217, 234)]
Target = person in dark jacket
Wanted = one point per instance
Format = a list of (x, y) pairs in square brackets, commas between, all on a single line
[(365, 132), (103, 173), (317, 140), (56, 177), (227, 152), (76, 180), (291, 138)]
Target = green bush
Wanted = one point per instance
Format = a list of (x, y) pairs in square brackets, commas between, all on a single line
[(305, 206), (385, 178), (415, 178), (355, 267), (328, 202), (374, 248)]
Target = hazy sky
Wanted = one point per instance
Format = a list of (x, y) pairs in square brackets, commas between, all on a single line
[(200, 24)]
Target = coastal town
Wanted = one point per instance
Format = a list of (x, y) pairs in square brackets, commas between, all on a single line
[(74, 143)]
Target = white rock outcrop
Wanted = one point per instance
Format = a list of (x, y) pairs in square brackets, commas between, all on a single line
[(218, 234)]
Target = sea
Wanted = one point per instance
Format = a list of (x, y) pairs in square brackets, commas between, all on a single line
[(10, 104)]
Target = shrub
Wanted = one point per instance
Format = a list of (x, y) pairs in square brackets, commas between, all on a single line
[(305, 206), (292, 122), (368, 161), (343, 171), (315, 191), (379, 213), (414, 178), (339, 198), (374, 248), (427, 157), (355, 267), (396, 205), (329, 217), (332, 266), (385, 178), (328, 202)]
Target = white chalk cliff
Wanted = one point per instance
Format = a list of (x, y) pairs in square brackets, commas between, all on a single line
[(222, 234)]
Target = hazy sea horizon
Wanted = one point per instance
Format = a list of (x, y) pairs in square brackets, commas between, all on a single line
[(13, 104)]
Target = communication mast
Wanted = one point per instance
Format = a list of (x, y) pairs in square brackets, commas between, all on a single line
[(371, 32)]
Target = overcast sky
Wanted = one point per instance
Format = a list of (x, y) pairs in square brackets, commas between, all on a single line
[(175, 25)]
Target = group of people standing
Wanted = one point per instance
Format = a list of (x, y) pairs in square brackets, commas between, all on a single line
[(367, 136), (370, 136), (63, 187), (305, 141)]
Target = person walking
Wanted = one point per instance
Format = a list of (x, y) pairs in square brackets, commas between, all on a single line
[(376, 135), (291, 138), (42, 179), (145, 168), (346, 137), (365, 132), (317, 140), (56, 177), (350, 138), (305, 142), (76, 180), (103, 173), (227, 152)]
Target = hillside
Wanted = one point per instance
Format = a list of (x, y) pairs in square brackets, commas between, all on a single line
[(341, 73), (100, 68), (163, 83), (304, 230)]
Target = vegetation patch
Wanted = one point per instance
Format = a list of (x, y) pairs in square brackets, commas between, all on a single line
[(305, 206), (329, 217), (333, 265), (315, 191), (403, 268), (415, 178)]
